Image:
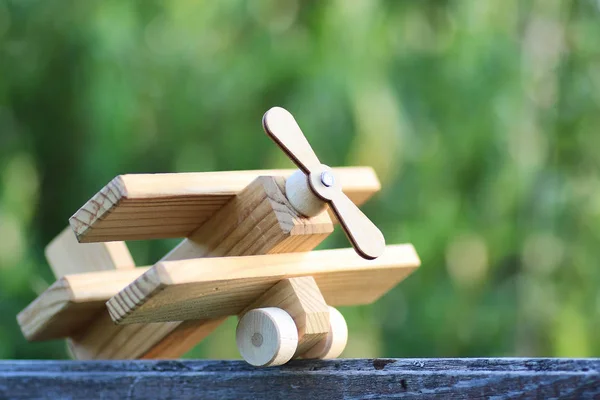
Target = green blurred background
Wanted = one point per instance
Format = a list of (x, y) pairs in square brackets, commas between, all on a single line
[(480, 117)]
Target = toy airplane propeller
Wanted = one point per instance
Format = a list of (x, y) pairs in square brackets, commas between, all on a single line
[(316, 181), (247, 252)]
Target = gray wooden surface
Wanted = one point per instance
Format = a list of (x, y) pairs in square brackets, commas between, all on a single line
[(336, 379)]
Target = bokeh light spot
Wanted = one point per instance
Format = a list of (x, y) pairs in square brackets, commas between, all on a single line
[(467, 259)]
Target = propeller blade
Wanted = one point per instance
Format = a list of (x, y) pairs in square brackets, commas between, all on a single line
[(282, 127), (366, 238)]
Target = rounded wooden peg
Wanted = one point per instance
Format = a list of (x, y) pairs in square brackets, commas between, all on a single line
[(301, 196), (267, 336), (334, 344)]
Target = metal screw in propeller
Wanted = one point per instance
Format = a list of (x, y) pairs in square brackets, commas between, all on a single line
[(315, 185)]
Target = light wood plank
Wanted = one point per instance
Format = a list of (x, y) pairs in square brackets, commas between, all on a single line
[(174, 205), (259, 220), (217, 287), (67, 256), (72, 302)]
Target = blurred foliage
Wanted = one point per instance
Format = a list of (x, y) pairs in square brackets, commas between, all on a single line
[(480, 117)]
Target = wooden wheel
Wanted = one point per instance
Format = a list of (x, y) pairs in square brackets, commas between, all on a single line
[(334, 343), (267, 336)]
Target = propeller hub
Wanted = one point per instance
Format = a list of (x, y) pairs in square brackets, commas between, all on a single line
[(327, 178), (323, 183)]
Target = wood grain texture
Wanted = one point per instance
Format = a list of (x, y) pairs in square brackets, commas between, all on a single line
[(72, 302), (302, 299), (151, 206), (216, 287), (504, 378), (102, 341), (180, 340), (67, 256), (335, 342), (259, 220), (266, 337)]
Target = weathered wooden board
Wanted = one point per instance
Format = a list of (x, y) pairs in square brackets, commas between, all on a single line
[(151, 206), (208, 288), (504, 378)]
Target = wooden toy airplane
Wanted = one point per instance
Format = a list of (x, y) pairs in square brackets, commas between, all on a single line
[(247, 252)]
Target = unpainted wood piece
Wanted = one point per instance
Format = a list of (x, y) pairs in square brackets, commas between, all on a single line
[(266, 336), (366, 238), (424, 378), (72, 302), (303, 301), (215, 287), (259, 220), (282, 128), (151, 206), (182, 339), (100, 340), (67, 256), (301, 196), (334, 343)]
